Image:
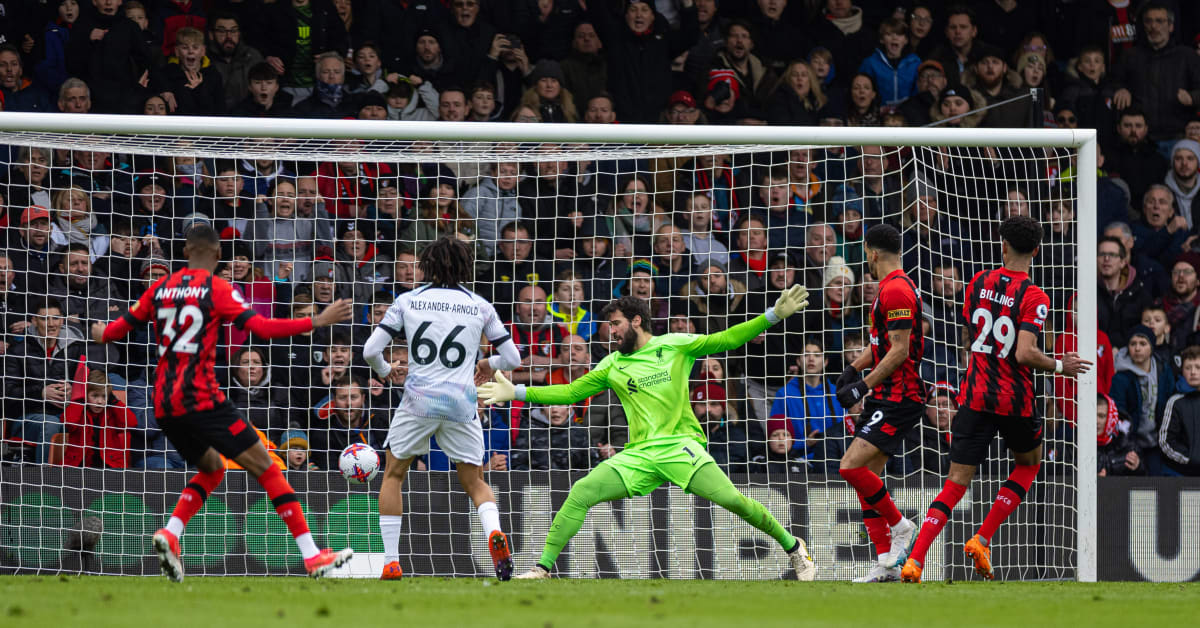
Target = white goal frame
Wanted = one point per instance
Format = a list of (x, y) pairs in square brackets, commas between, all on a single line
[(1084, 140)]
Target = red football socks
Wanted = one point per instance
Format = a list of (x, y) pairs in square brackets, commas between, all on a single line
[(871, 491), (936, 519), (193, 496), (284, 499), (1008, 498), (877, 529)]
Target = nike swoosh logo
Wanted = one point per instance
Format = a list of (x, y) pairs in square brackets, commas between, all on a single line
[(620, 368)]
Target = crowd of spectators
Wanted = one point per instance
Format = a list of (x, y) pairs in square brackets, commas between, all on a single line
[(708, 240)]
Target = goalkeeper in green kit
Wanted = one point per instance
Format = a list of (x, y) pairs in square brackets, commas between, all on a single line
[(649, 374)]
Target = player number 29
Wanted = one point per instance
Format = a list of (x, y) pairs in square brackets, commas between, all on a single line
[(1002, 329), (189, 317), (424, 351)]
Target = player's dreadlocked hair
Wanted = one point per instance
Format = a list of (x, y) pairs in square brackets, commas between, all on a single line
[(447, 262), (629, 306), (1022, 233)]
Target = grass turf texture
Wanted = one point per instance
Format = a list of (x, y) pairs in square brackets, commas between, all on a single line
[(221, 602)]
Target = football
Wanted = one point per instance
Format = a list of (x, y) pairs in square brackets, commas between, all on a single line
[(359, 463)]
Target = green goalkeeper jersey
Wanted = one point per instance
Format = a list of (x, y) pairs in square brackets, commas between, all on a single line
[(652, 382)]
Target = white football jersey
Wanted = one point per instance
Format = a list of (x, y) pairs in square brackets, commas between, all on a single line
[(443, 327)]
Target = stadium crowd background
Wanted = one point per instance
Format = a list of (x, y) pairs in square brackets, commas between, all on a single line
[(708, 241)]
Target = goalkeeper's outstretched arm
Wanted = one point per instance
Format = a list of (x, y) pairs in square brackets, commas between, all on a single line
[(792, 300), (502, 390)]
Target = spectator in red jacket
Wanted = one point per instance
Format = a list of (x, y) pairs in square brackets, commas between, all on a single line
[(98, 430)]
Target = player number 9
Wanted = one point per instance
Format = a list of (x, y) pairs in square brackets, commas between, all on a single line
[(1002, 329)]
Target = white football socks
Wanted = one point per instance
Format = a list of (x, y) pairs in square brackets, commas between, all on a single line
[(389, 528), (489, 517)]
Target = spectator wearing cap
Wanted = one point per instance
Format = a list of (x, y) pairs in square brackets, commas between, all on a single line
[(585, 69), (547, 95), (295, 451), (798, 98), (1182, 178), (85, 297), (1116, 453), (358, 262), (371, 106), (152, 207), (723, 103), (955, 100), (640, 46), (1142, 385), (931, 79), (991, 82), (289, 54), (782, 457), (754, 78), (1182, 300), (330, 98), (961, 33), (733, 442), (29, 251), (552, 438), (1159, 76), (807, 405), (891, 66), (841, 313), (682, 109), (431, 62)]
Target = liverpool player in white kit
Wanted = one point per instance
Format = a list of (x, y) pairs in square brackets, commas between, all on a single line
[(444, 322)]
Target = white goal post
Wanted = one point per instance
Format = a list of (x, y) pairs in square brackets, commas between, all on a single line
[(457, 143)]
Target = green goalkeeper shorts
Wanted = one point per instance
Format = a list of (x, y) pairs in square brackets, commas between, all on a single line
[(645, 466)]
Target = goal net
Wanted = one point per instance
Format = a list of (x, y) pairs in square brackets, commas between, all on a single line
[(707, 224)]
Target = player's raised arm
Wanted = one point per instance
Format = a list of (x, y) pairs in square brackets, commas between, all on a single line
[(229, 305), (137, 315), (792, 300)]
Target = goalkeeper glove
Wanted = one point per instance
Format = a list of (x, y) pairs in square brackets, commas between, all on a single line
[(852, 393), (848, 376), (498, 391), (791, 301)]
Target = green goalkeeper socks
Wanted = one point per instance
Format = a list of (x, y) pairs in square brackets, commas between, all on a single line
[(712, 484), (601, 485)]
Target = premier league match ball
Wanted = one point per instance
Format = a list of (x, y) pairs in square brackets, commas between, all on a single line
[(359, 463)]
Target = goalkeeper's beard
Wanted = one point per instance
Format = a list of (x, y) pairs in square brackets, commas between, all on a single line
[(628, 342)]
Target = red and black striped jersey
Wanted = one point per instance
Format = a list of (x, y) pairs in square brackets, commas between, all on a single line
[(999, 305), (188, 308), (896, 307)]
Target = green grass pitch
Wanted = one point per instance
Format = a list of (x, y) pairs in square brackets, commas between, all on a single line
[(222, 602)]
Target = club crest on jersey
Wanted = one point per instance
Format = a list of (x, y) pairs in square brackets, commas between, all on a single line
[(658, 355), (632, 386)]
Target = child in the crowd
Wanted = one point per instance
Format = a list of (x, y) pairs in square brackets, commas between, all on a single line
[(567, 307), (98, 430), (1116, 454), (1155, 317), (1141, 387), (295, 450)]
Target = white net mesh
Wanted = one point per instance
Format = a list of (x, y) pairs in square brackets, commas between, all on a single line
[(708, 234)]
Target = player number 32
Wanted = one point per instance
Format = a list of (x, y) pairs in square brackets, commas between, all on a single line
[(188, 317)]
